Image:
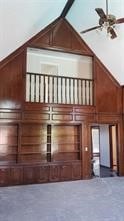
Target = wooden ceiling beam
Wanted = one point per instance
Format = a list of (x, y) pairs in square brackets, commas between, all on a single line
[(67, 8)]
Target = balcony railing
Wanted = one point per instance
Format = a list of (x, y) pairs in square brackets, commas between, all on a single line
[(58, 89)]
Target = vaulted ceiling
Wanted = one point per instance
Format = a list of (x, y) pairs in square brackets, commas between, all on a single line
[(21, 19)]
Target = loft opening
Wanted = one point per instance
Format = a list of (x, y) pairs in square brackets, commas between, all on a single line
[(58, 77)]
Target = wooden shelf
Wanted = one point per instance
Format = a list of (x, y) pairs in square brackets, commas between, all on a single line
[(31, 144)]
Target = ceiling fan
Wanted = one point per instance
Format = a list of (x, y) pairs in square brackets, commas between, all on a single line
[(107, 21)]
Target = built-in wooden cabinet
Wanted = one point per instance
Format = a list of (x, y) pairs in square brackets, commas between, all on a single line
[(39, 153), (38, 173), (16, 175), (50, 143), (66, 142), (33, 143), (42, 174)]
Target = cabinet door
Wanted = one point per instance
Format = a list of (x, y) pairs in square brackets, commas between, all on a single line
[(66, 172), (29, 175), (16, 176), (42, 174), (4, 176), (8, 144), (76, 171), (55, 173)]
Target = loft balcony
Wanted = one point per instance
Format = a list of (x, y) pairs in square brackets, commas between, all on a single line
[(53, 89)]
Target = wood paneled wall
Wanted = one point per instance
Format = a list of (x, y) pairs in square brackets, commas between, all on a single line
[(108, 93), (12, 82), (25, 126)]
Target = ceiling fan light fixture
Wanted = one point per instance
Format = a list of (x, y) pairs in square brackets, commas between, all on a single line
[(106, 21)]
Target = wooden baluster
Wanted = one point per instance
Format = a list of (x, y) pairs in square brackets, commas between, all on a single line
[(89, 93), (61, 91), (77, 91), (73, 91), (52, 89), (44, 87), (30, 88), (65, 90), (39, 88), (57, 89), (82, 92), (85, 93), (92, 85), (48, 89), (69, 90), (34, 87)]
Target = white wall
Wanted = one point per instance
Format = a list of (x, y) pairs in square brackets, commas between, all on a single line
[(95, 140), (69, 65), (104, 146)]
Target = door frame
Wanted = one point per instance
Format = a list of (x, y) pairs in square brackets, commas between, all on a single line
[(111, 148), (110, 142)]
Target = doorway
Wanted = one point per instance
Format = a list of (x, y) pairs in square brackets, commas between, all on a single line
[(104, 150)]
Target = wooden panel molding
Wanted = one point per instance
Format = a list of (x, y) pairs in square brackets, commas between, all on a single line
[(62, 117), (62, 108), (85, 117), (10, 115), (36, 116)]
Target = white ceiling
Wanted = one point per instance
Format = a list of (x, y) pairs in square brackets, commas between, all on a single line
[(110, 52), (21, 19)]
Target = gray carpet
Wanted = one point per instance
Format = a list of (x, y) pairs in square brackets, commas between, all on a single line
[(99, 199)]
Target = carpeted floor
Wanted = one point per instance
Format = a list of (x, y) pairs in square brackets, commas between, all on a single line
[(99, 199)]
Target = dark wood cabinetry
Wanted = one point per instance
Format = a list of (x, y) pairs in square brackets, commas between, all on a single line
[(16, 175), (55, 172), (4, 176), (34, 143), (66, 142), (38, 173), (66, 172), (43, 153), (42, 174), (76, 171), (29, 175)]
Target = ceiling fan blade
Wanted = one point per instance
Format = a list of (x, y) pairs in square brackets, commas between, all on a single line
[(120, 20), (101, 13), (112, 32), (90, 29)]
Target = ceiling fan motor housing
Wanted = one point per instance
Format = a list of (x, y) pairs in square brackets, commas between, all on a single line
[(111, 19)]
